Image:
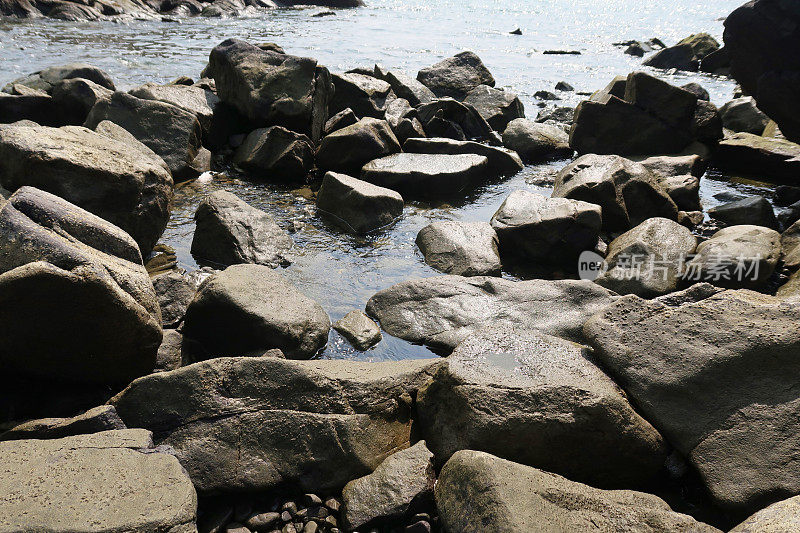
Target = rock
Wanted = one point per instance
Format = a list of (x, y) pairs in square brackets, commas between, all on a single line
[(501, 160), (564, 86), (197, 101), (257, 424), (680, 177), (786, 195), (497, 107), (402, 483), (680, 57), (91, 272), (174, 292), (442, 311), (706, 125), (360, 206), (672, 105), (171, 132), (248, 309), (365, 95), (108, 481), (272, 89), (778, 517), (546, 230), (759, 38), (118, 133), (697, 90), (456, 76), (170, 353), (230, 231), (717, 62), (276, 152), (350, 148), (46, 79), (790, 246), (626, 191), (460, 248), (790, 215), (359, 329), (755, 210), (535, 142), (647, 260), (427, 175), (439, 115), (729, 408), (702, 44), (479, 492), (404, 86), (78, 96), (94, 420), (96, 173), (762, 156), (41, 109), (742, 115), (635, 49), (560, 115), (741, 256), (403, 120), (340, 120)]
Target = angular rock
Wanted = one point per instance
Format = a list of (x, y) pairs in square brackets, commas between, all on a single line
[(196, 100), (460, 248), (702, 44), (718, 62), (359, 329), (276, 152), (790, 246), (680, 57), (706, 124), (118, 133), (755, 210), (248, 309), (558, 115), (403, 120), (350, 148), (535, 142), (765, 157), (170, 353), (777, 518), (463, 119), (742, 115), (41, 109), (456, 76), (680, 177), (500, 160), (340, 120), (78, 96), (102, 418), (230, 231), (672, 105), (404, 86), (360, 206), (426, 175), (174, 292), (496, 106), (697, 90), (365, 95), (44, 80)]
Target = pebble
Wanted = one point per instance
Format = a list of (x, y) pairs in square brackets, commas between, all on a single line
[(311, 499), (333, 504)]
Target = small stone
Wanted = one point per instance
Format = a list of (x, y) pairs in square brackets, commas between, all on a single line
[(360, 330), (331, 521), (236, 527), (286, 516), (289, 528), (333, 504), (311, 527), (418, 527), (263, 521), (564, 86)]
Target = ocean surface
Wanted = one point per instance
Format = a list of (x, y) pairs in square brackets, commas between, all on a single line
[(339, 270)]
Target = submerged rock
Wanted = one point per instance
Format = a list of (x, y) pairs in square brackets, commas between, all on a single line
[(360, 206), (359, 329), (456, 76), (427, 175), (460, 248)]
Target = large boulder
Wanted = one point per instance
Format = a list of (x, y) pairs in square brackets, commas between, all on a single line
[(270, 88), (765, 157), (742, 115), (680, 177), (77, 97), (365, 95), (358, 205), (460, 248), (755, 210), (498, 107), (760, 38), (456, 120), (350, 148), (108, 178), (779, 517), (427, 175), (456, 76), (444, 310), (536, 142), (230, 231), (249, 309), (276, 153), (196, 100), (718, 377), (500, 160), (536, 400), (478, 492), (262, 423), (46, 79), (404, 86), (108, 481)]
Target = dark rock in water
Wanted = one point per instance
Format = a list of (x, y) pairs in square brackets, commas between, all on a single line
[(672, 105), (106, 177), (359, 206), (562, 52), (360, 330), (500, 160), (404, 86), (77, 96), (561, 115), (232, 420), (460, 248), (546, 95), (465, 117), (174, 292), (230, 231), (536, 142), (103, 418), (104, 326), (516, 32), (270, 88), (248, 309), (365, 95), (340, 120), (427, 175), (755, 210), (41, 109), (564, 86), (533, 398), (324, 14), (681, 57), (350, 148), (497, 107), (761, 38), (717, 62), (786, 195), (456, 76), (697, 90), (706, 124), (200, 102), (765, 157), (478, 488), (46, 79), (635, 49), (702, 44), (742, 115), (276, 153)]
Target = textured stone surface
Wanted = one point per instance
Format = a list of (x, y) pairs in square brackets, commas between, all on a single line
[(358, 205), (460, 248), (426, 175), (456, 76)]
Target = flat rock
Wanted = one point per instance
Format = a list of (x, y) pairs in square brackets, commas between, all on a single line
[(357, 205), (362, 332), (102, 418), (196, 100), (45, 79), (501, 160), (765, 157), (460, 248), (426, 175), (755, 210)]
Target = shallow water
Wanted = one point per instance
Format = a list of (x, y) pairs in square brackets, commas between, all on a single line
[(339, 270)]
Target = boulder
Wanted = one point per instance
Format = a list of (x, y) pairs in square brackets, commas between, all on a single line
[(401, 485), (340, 120), (720, 385), (174, 292), (500, 160), (248, 309), (680, 57), (460, 248), (777, 518), (765, 157), (77, 97), (270, 88), (196, 100), (450, 118), (478, 492), (230, 231), (626, 191), (276, 152), (680, 177), (404, 86), (742, 115), (442, 311), (350, 148), (553, 231), (536, 142), (496, 106), (702, 44), (359, 206), (170, 354), (697, 90), (171, 132), (102, 323), (262, 423), (706, 125), (790, 246), (672, 105), (108, 481), (456, 76), (403, 120), (39, 108), (647, 260), (786, 195), (359, 330), (755, 210), (94, 172), (46, 79), (94, 420), (427, 175), (536, 400), (717, 62), (118, 133), (365, 95)]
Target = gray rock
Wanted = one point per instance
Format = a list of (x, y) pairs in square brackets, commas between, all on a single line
[(78, 96), (404, 86), (697, 90), (501, 160), (229, 231), (276, 152), (94, 172), (359, 206), (546, 230), (777, 518), (196, 100), (536, 399), (496, 106), (426, 175), (402, 483), (359, 329), (257, 423), (44, 80), (350, 148), (730, 408), (478, 492), (170, 353), (755, 210), (460, 248), (442, 311), (340, 120), (680, 177), (680, 57), (109, 481), (403, 120), (248, 309), (456, 76), (790, 246), (742, 115), (672, 105), (365, 95), (118, 133), (460, 119), (561, 115), (102, 323), (765, 157), (174, 292), (706, 125), (102, 418), (535, 142)]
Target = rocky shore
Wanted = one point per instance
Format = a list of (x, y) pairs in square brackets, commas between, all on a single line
[(615, 356)]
